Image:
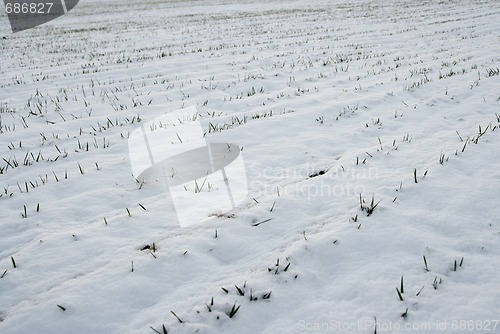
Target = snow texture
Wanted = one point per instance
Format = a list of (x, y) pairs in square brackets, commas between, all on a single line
[(369, 135)]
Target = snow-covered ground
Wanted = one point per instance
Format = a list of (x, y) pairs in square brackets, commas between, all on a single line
[(394, 103)]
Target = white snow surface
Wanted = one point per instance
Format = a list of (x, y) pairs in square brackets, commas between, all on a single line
[(395, 101)]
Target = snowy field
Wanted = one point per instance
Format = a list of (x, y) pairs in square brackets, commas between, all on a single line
[(370, 136)]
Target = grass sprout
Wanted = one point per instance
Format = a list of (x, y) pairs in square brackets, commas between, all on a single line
[(234, 310), (175, 315), (425, 263), (370, 207)]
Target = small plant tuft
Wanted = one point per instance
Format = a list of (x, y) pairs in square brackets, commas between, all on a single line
[(437, 282), (240, 291), (368, 208), (267, 295), (234, 310)]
